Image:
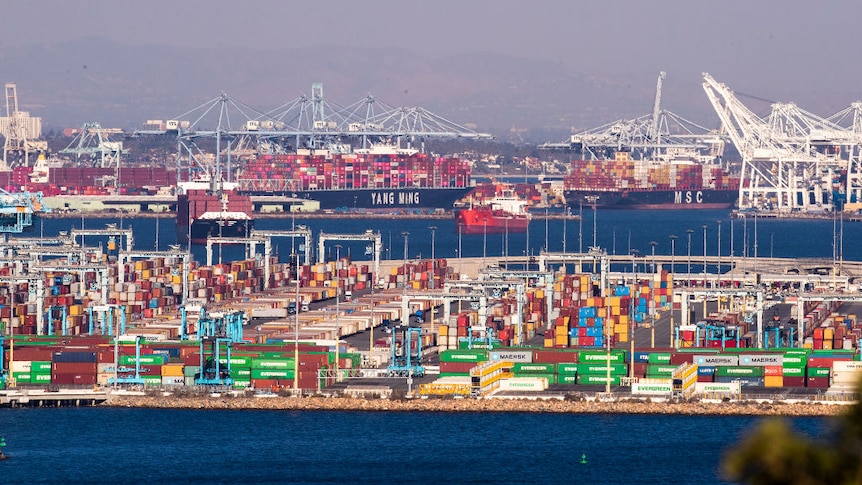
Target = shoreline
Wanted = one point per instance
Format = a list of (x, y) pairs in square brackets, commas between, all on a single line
[(556, 406)]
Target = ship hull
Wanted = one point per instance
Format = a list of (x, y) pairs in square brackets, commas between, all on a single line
[(380, 199), (201, 230), (473, 221), (654, 199)]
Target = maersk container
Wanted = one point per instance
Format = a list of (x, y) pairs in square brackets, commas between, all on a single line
[(529, 368), (460, 355), (602, 369), (511, 355), (716, 360), (739, 372)]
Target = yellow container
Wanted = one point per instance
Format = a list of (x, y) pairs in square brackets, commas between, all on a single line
[(173, 370), (561, 339), (444, 330), (773, 381), (549, 342)]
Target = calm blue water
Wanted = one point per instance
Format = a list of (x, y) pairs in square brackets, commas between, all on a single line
[(93, 445), (618, 231)]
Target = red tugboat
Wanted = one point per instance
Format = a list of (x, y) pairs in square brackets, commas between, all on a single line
[(505, 212)]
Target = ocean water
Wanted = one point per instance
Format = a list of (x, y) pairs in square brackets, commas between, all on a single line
[(122, 445), (618, 231)]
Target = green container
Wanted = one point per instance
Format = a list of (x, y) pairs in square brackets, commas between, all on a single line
[(465, 345), (659, 358), (152, 380), (355, 359), (819, 372), (271, 374), (528, 368), (40, 378), (241, 384), (602, 369), (236, 361), (794, 360), (592, 356), (152, 359), (567, 379), (454, 374), (661, 369), (567, 368), (793, 371), (191, 370), (22, 377), (240, 372), (272, 364), (726, 371), (596, 380), (454, 355), (40, 366)]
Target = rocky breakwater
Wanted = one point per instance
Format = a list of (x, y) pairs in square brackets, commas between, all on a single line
[(730, 408)]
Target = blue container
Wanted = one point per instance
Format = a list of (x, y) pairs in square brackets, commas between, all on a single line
[(67, 357), (642, 357), (703, 370)]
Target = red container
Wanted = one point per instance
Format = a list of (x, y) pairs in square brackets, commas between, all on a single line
[(463, 367), (703, 378), (816, 382), (73, 368), (681, 358), (554, 357), (794, 381)]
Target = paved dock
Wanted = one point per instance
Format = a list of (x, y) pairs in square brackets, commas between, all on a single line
[(48, 398)]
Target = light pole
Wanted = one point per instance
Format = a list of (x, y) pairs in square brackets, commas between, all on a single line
[(581, 226), (371, 326), (718, 273), (433, 261), (688, 271), (460, 254), (672, 238), (337, 327), (404, 234), (547, 248), (484, 240), (565, 221), (704, 255), (653, 244)]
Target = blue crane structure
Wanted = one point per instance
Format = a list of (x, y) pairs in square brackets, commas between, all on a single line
[(405, 349), (129, 375), (217, 331), (17, 210), (2, 370)]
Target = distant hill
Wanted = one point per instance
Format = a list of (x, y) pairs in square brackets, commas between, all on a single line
[(516, 99)]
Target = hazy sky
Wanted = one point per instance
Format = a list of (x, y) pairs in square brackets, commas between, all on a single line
[(784, 50), (764, 42)]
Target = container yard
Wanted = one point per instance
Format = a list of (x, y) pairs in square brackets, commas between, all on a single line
[(121, 318)]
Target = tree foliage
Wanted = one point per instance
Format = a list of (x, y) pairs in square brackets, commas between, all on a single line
[(774, 454)]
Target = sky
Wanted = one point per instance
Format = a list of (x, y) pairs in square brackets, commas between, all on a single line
[(773, 49)]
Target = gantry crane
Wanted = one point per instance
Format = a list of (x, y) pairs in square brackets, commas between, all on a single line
[(791, 159), (217, 330)]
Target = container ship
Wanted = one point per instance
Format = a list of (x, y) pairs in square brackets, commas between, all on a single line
[(624, 183), (380, 178), (505, 212), (204, 211), (53, 179)]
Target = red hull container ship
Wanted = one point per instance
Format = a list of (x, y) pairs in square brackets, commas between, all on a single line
[(203, 212), (624, 183), (503, 213)]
